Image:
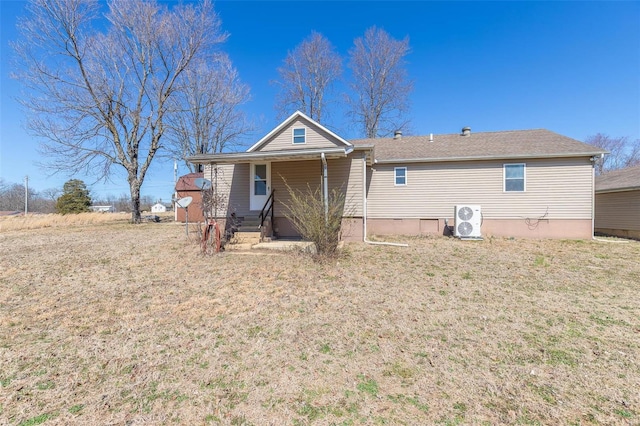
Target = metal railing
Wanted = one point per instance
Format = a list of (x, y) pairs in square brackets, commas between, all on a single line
[(267, 209)]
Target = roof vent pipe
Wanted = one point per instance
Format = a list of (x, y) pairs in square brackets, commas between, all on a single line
[(430, 137), (397, 134), (466, 131)]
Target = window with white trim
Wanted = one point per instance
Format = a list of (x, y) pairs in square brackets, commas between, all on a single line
[(514, 177), (300, 136), (400, 176)]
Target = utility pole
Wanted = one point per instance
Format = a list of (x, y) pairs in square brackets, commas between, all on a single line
[(26, 195)]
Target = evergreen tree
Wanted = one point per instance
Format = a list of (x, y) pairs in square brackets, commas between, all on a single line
[(75, 198)]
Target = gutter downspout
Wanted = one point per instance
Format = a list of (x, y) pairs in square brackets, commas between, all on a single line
[(364, 210), (325, 188), (593, 200)]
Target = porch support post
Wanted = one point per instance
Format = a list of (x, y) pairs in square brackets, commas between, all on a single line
[(325, 188)]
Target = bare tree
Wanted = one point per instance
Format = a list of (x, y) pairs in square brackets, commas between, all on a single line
[(380, 86), (622, 152), (51, 194), (99, 90), (205, 115), (12, 198), (307, 76)]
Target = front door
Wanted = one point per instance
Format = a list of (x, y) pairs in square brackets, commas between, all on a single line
[(260, 185)]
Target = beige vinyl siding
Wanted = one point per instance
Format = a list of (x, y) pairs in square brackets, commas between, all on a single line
[(315, 138), (559, 188), (233, 185), (618, 210), (297, 174), (347, 172)]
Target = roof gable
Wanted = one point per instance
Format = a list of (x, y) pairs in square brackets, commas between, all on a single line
[(281, 137), (516, 144)]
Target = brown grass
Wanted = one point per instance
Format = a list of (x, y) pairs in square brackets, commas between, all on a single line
[(122, 324), (54, 220)]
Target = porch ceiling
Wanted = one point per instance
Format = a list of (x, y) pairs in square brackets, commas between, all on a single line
[(273, 156)]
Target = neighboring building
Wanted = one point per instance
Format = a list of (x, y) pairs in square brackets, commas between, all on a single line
[(529, 183), (618, 203), (185, 187), (158, 208), (103, 209)]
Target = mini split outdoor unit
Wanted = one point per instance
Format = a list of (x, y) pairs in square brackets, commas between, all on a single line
[(468, 221)]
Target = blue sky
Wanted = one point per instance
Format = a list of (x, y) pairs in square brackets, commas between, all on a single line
[(571, 67)]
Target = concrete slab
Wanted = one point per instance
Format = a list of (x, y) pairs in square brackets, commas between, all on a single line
[(287, 245), (238, 247)]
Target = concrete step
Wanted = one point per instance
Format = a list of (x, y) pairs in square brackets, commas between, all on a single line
[(250, 222), (249, 225), (246, 237)]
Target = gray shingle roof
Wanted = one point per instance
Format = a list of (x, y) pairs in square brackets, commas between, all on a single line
[(619, 180), (483, 145)]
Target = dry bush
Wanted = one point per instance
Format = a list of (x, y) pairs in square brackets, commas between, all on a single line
[(127, 324), (306, 211)]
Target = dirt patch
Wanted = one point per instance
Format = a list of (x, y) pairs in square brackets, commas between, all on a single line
[(123, 324)]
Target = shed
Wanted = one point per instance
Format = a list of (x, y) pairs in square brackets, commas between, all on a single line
[(617, 204), (186, 187)]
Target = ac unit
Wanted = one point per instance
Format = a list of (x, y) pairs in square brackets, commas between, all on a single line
[(468, 221)]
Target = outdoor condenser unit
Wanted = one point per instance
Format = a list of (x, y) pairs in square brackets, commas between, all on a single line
[(468, 221)]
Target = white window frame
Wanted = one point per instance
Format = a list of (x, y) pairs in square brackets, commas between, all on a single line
[(395, 176), (304, 136), (524, 177)]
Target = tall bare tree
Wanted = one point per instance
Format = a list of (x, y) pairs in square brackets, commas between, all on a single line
[(99, 90), (205, 115), (622, 152), (307, 76), (380, 85)]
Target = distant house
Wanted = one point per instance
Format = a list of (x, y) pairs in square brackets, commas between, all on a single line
[(103, 209), (158, 208), (618, 203), (186, 187), (528, 183)]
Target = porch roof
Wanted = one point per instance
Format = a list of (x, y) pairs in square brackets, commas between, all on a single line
[(283, 155)]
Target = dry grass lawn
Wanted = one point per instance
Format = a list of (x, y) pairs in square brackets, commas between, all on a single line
[(115, 324)]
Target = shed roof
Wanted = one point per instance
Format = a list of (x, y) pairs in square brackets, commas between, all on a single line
[(186, 182), (513, 144), (619, 180)]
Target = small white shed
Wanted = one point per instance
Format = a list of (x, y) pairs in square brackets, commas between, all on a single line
[(158, 208)]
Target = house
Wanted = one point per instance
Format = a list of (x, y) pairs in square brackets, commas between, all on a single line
[(530, 183), (618, 203), (158, 208), (102, 209), (186, 187)]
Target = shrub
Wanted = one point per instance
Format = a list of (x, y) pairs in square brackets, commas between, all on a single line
[(306, 211), (75, 198)]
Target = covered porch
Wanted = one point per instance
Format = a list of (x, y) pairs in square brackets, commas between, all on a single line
[(257, 185)]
